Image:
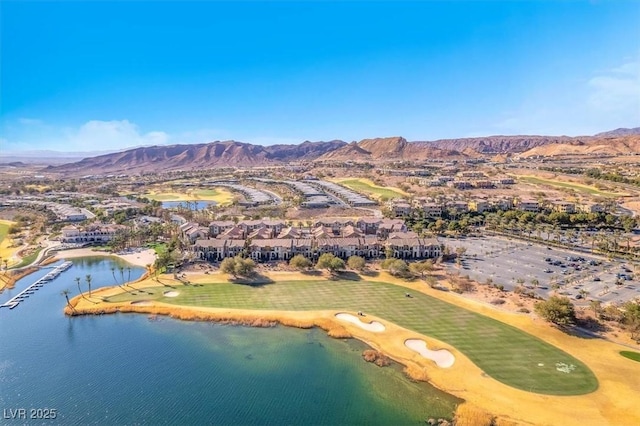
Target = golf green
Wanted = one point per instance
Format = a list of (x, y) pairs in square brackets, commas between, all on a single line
[(503, 352), (635, 356)]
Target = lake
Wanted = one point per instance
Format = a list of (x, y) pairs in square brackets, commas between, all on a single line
[(193, 205), (131, 369)]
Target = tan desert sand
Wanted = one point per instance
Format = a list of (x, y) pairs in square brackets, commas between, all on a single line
[(141, 258), (442, 357), (373, 326)]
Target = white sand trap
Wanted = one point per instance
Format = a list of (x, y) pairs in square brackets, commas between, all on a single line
[(171, 293), (374, 326), (142, 303), (442, 357)]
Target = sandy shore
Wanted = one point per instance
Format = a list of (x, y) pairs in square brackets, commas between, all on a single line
[(614, 402), (142, 258)]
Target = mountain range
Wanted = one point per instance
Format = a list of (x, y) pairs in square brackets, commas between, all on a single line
[(240, 154)]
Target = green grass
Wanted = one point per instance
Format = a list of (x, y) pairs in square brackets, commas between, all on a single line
[(631, 355), (575, 186), (4, 229), (26, 261), (159, 248), (500, 350), (361, 186), (165, 196)]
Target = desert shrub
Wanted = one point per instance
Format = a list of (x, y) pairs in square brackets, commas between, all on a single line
[(497, 301), (524, 310), (378, 358)]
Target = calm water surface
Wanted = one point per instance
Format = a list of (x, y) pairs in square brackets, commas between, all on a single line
[(193, 205), (127, 369)]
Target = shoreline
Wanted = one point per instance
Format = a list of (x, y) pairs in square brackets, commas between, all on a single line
[(142, 258), (612, 402)]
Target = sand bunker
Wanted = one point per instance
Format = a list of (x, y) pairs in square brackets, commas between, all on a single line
[(374, 326), (442, 357), (142, 303), (171, 293)]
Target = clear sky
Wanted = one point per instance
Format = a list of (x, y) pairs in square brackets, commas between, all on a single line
[(87, 75)]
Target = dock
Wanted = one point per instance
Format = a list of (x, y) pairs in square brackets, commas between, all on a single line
[(24, 294)]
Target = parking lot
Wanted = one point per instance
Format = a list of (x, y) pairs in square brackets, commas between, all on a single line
[(506, 261)]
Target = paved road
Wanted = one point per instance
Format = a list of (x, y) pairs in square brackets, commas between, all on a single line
[(507, 261)]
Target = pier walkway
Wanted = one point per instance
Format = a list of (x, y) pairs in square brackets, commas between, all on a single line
[(20, 297)]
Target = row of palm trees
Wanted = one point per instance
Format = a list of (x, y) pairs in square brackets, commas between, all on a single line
[(89, 279), (605, 242)]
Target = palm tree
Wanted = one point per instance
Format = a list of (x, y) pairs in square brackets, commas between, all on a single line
[(65, 293), (122, 273), (113, 273), (88, 280), (77, 280)]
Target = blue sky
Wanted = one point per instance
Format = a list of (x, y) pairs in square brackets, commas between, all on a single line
[(108, 75)]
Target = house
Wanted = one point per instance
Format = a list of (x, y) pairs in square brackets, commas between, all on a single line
[(459, 184), (485, 184), (290, 232), (322, 232), (336, 224), (368, 225), (528, 205), (388, 226), (503, 204), (351, 231), (458, 207), (234, 247), (414, 248), (504, 181), (219, 226), (401, 209), (432, 210), (261, 234), (563, 207), (233, 233), (90, 234), (211, 249), (478, 206), (249, 226), (402, 235), (192, 231), (472, 175), (270, 249), (303, 246)]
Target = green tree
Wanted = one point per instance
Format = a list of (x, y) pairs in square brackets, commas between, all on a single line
[(237, 266), (596, 307), (244, 267), (330, 262), (397, 268), (300, 262), (356, 263), (228, 266), (557, 309), (419, 268), (631, 319)]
